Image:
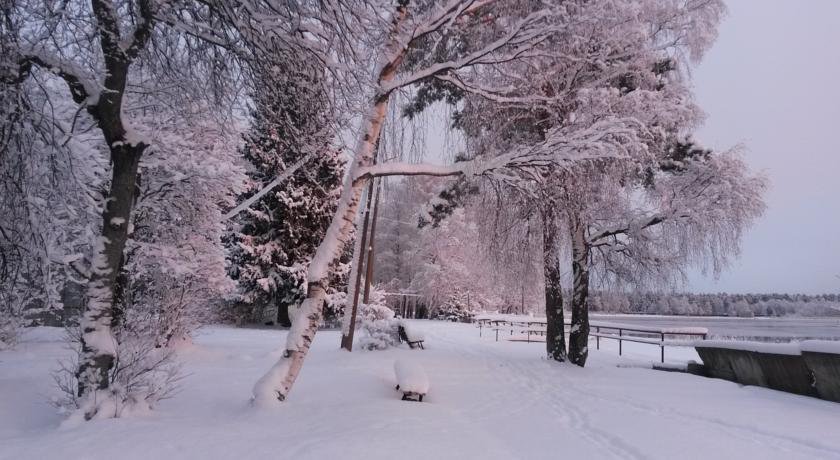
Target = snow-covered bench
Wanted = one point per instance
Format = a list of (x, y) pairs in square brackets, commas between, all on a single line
[(410, 336), (411, 380)]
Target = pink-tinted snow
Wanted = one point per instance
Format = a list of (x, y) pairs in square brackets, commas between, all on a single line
[(490, 400)]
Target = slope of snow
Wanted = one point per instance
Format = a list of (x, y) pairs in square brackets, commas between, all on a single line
[(491, 400)]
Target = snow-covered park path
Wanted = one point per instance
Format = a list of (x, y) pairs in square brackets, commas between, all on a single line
[(487, 400)]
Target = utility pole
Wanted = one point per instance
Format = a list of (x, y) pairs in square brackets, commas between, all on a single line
[(347, 337), (370, 248)]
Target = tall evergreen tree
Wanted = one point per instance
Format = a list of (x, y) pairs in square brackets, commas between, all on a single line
[(270, 250)]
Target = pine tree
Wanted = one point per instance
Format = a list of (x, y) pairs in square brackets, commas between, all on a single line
[(271, 250)]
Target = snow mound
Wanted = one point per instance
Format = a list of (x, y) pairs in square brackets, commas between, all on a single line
[(411, 377)]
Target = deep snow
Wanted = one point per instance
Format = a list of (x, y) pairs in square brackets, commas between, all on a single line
[(487, 400)]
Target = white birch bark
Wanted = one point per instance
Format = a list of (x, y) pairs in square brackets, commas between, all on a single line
[(276, 384)]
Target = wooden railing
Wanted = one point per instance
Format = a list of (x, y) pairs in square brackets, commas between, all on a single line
[(602, 330)]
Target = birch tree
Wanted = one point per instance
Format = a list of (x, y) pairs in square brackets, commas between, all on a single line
[(691, 211), (506, 32), (614, 60)]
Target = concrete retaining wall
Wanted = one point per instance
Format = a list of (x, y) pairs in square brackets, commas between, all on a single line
[(825, 369), (808, 373), (786, 373)]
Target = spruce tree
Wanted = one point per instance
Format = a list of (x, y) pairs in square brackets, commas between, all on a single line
[(270, 250)]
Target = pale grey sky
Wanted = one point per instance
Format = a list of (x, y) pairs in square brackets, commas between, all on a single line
[(772, 83)]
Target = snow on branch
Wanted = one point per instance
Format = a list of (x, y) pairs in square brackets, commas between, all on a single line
[(135, 42), (605, 139), (522, 36), (82, 85), (639, 225)]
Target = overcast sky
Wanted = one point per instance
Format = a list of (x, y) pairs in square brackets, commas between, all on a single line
[(772, 83)]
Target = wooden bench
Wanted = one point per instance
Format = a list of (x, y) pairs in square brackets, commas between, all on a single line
[(413, 342)]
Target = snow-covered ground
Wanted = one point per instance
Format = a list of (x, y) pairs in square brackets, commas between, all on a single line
[(486, 400)]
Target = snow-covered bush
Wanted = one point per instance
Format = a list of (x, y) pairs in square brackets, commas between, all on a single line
[(143, 374), (334, 308), (455, 309), (379, 326)]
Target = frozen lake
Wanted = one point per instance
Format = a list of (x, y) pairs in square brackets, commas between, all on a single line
[(782, 329)]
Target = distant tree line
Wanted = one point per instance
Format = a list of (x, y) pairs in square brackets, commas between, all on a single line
[(720, 304)]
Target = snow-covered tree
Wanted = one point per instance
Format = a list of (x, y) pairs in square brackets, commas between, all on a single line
[(426, 42), (611, 61), (116, 64), (175, 277), (51, 173), (398, 233), (620, 60), (96, 71), (276, 238), (636, 228)]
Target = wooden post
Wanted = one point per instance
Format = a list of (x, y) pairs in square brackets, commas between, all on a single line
[(598, 338), (619, 342), (370, 248), (662, 349), (347, 340)]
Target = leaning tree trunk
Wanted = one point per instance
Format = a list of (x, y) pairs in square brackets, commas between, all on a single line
[(555, 339), (276, 384), (579, 334)]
